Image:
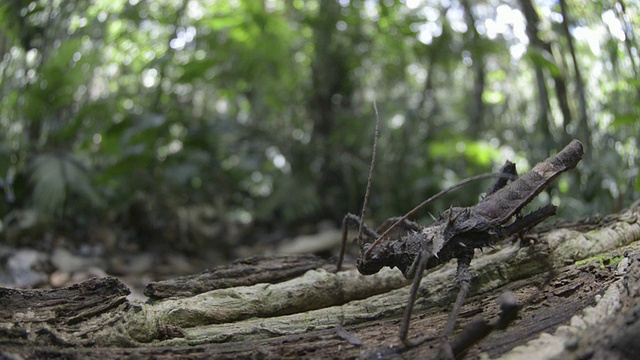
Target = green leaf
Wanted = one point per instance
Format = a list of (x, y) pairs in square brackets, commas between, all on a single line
[(625, 119), (49, 184), (196, 69), (543, 60), (493, 97), (53, 177), (478, 152), (217, 24)]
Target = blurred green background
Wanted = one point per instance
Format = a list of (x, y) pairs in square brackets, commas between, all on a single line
[(253, 118)]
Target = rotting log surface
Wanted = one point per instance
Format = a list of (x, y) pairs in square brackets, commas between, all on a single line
[(242, 272), (295, 315)]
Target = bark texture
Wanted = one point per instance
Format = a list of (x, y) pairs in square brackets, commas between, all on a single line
[(283, 307)]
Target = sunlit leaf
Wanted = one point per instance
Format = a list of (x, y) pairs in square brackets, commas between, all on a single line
[(543, 60), (478, 152), (625, 119), (227, 22), (563, 185), (493, 97)]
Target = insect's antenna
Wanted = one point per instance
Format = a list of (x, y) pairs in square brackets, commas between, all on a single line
[(370, 178), (430, 200)]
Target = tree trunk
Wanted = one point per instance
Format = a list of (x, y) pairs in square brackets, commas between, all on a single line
[(583, 130), (331, 92), (544, 47), (630, 40), (296, 306), (476, 110)]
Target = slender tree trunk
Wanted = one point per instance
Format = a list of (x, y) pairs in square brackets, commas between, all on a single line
[(544, 123), (428, 104), (476, 112), (330, 78), (544, 47), (630, 40), (583, 122)]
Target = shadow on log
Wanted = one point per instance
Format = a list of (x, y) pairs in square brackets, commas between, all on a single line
[(295, 306)]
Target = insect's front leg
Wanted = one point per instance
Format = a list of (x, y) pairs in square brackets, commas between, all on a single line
[(464, 280), (355, 221), (416, 271)]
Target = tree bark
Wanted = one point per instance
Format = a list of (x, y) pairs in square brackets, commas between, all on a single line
[(252, 310)]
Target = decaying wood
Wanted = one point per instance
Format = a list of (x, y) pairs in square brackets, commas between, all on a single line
[(242, 272), (608, 330), (299, 317)]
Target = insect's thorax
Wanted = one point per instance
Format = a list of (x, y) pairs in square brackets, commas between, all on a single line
[(455, 234)]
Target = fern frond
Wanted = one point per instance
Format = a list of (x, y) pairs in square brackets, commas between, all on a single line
[(53, 178), (49, 184)]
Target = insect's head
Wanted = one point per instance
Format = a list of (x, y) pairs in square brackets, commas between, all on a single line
[(371, 264)]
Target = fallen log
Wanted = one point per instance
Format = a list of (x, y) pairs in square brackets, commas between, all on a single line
[(301, 308)]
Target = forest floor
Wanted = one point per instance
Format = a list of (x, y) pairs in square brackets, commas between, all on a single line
[(587, 309)]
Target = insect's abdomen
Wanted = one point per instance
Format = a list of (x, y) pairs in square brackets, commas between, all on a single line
[(506, 202)]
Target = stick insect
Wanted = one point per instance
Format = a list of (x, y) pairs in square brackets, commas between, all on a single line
[(458, 231)]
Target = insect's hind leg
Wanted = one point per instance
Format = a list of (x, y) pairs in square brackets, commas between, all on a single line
[(355, 221), (464, 279), (405, 224), (507, 172), (416, 270)]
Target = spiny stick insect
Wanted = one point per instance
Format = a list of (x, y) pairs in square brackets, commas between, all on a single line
[(458, 231)]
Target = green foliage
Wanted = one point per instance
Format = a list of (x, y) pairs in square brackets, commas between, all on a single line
[(543, 60), (53, 178), (625, 119), (479, 153), (265, 108)]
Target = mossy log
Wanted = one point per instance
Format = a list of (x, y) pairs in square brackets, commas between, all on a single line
[(296, 306)]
